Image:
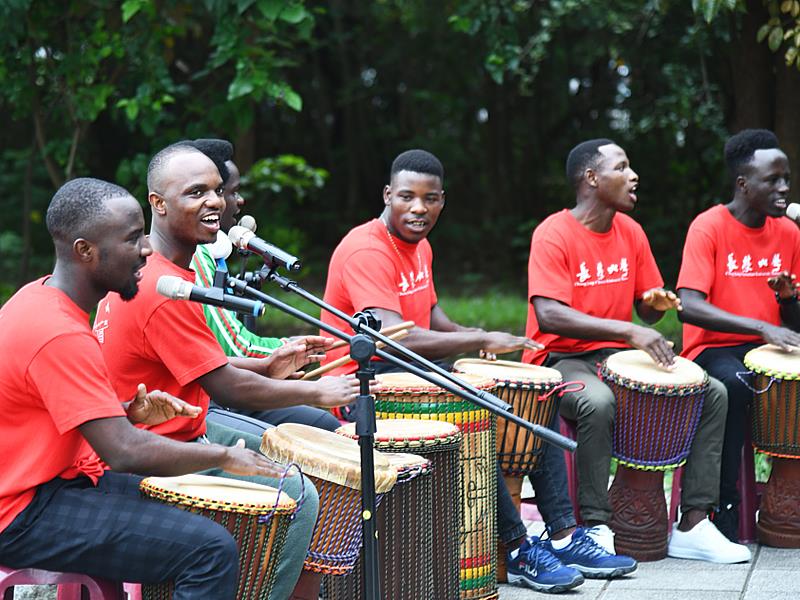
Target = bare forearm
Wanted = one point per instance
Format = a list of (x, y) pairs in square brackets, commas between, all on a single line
[(568, 322), (706, 315), (647, 313), (440, 344)]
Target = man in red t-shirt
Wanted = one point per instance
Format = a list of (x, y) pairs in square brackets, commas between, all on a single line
[(589, 267), (737, 287), (169, 343), (61, 420)]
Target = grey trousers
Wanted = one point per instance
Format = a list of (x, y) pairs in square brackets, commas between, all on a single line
[(593, 409)]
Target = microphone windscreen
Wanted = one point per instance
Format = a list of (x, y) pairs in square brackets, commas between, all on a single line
[(239, 236), (172, 287), (248, 222), (793, 211)]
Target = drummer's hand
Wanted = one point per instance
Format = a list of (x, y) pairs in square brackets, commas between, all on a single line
[(661, 299), (499, 342), (156, 407), (241, 461), (655, 344), (338, 391), (784, 284), (288, 359), (783, 337)]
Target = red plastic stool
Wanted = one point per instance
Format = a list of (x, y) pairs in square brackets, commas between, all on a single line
[(69, 584)]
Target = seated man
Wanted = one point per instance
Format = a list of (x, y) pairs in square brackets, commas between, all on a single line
[(736, 291), (59, 509), (168, 342), (231, 333), (588, 267), (387, 265)]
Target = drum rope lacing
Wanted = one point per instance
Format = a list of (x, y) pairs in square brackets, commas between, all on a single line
[(774, 414)]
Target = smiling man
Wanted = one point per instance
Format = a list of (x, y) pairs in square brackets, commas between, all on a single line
[(737, 287), (589, 267)]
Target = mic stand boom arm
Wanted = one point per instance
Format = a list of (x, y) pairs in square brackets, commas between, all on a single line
[(440, 377)]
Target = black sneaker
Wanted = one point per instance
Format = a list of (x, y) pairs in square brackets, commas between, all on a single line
[(726, 519)]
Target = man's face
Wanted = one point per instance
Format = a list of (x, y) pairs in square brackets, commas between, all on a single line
[(233, 201), (192, 191), (765, 181), (615, 180), (414, 201), (122, 248)]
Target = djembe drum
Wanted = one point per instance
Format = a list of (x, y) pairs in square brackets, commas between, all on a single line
[(333, 463), (256, 515), (656, 419), (529, 389), (406, 396), (404, 538), (440, 443), (776, 432)]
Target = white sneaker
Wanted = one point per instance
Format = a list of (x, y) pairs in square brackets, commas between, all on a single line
[(705, 542), (603, 537)]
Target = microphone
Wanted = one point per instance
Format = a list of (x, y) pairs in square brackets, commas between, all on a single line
[(793, 212), (176, 288), (248, 222), (244, 239)]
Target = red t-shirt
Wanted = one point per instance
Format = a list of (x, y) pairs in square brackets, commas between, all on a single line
[(600, 274), (370, 268), (730, 263), (52, 379), (162, 343)]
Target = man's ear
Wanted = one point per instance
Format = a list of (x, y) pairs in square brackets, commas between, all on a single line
[(387, 194), (444, 198), (84, 250), (157, 203), (590, 175), (741, 183)]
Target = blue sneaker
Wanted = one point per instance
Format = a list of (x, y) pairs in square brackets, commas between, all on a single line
[(533, 566), (588, 557)]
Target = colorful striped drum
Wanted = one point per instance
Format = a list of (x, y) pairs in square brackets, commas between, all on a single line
[(527, 389), (404, 538), (440, 443), (406, 396), (657, 414), (333, 463), (776, 431), (256, 515)]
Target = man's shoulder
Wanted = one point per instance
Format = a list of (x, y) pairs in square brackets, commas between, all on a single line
[(364, 238)]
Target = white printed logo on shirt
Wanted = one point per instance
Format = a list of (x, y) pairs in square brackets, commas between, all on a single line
[(748, 266), (411, 283), (602, 274)]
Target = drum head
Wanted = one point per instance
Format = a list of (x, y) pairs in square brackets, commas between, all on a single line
[(636, 365), (324, 455), (508, 371), (227, 493), (408, 465), (408, 433), (408, 382), (771, 360)]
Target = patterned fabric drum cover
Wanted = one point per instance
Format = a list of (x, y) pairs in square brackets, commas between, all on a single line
[(776, 431), (776, 402), (440, 443), (525, 387), (404, 538), (256, 515), (656, 418), (657, 410), (406, 396), (333, 463)]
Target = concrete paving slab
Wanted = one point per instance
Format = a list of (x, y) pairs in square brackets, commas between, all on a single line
[(614, 594), (778, 581), (675, 579), (778, 558)]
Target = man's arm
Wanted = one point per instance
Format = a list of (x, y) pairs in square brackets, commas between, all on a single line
[(127, 449), (446, 338), (698, 311), (556, 317)]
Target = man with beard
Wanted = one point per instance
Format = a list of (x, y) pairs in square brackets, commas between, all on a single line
[(738, 290), (589, 266), (61, 420)]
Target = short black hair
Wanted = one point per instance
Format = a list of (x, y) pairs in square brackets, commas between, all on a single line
[(78, 206), (219, 151), (584, 156), (161, 158), (740, 148), (417, 161)]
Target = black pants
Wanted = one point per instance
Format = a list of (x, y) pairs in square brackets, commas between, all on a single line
[(724, 364), (110, 531)]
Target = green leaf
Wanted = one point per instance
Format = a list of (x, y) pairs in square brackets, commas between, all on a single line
[(293, 100), (130, 8), (243, 5), (132, 110), (240, 87), (762, 32), (294, 13), (775, 38), (270, 8)]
